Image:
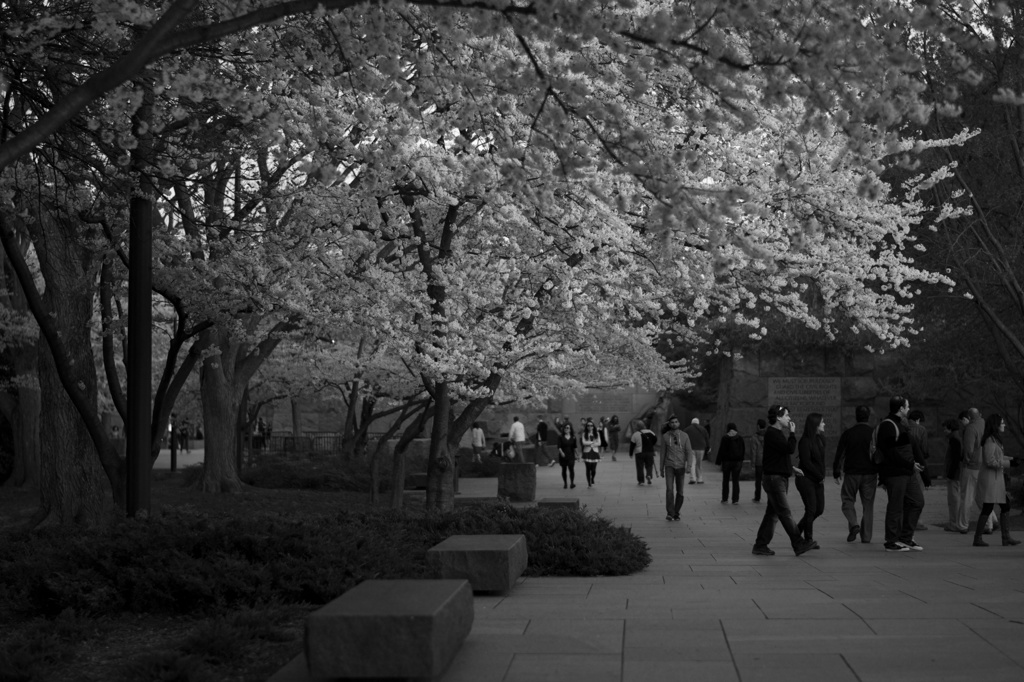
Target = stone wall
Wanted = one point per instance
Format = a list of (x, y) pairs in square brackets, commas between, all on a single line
[(744, 394)]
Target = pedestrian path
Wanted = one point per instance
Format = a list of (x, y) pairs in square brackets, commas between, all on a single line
[(707, 609)]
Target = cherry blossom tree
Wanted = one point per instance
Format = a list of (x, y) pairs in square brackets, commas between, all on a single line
[(581, 154)]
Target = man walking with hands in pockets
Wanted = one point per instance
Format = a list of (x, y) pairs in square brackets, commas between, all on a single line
[(675, 453)]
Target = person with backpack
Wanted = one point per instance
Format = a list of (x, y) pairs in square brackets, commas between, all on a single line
[(897, 469), (642, 444), (854, 467)]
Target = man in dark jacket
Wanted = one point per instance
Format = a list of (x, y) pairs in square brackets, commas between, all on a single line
[(951, 470), (730, 456), (858, 473), (777, 467), (906, 496)]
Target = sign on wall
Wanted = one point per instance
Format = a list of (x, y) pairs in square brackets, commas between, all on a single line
[(803, 395)]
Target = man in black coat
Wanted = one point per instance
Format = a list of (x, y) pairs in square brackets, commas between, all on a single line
[(859, 475), (777, 467), (906, 495)]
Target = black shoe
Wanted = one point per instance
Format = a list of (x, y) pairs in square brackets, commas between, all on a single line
[(564, 486), (669, 517), (763, 551), (735, 501), (692, 482), (896, 547), (756, 499), (725, 501), (803, 547), (913, 546), (572, 485), (648, 480), (675, 517), (700, 482), (854, 532)]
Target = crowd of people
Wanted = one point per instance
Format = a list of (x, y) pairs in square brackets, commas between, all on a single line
[(890, 456)]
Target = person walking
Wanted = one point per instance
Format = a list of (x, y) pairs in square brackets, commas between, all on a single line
[(811, 486), (590, 440), (614, 428), (951, 469), (991, 483), (756, 457), (642, 444), (542, 442), (970, 469), (731, 452), (906, 497), (567, 456), (699, 445), (478, 441), (779, 445), (675, 458), (859, 475), (517, 436)]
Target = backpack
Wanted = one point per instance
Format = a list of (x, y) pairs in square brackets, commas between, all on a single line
[(647, 441), (877, 455)]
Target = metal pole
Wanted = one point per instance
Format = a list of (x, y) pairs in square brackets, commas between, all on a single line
[(140, 356)]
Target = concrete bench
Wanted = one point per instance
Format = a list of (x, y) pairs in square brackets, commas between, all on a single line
[(386, 628), (491, 563), (559, 503)]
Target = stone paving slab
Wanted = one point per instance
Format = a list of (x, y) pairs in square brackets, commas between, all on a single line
[(708, 610)]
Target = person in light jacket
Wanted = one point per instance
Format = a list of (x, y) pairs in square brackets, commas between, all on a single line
[(991, 486)]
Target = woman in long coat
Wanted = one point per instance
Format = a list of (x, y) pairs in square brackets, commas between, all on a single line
[(991, 485)]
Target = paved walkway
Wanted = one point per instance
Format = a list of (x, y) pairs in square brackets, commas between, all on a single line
[(707, 609)]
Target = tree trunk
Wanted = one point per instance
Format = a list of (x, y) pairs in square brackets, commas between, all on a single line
[(440, 465), (76, 486), (221, 396), (24, 419), (74, 489)]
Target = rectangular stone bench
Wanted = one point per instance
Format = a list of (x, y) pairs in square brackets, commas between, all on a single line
[(386, 628), (559, 503), (491, 563)]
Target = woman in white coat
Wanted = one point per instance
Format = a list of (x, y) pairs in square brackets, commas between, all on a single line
[(991, 486)]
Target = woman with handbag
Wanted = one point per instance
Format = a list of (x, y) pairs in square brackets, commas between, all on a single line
[(991, 485)]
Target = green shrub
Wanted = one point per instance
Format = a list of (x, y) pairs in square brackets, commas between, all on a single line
[(38, 644), (324, 474), (168, 666), (185, 563)]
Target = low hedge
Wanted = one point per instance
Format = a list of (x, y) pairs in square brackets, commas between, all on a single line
[(186, 563)]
